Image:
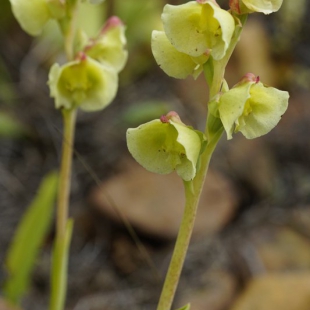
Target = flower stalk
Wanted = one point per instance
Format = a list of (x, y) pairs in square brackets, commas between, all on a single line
[(63, 225), (69, 118), (193, 191), (194, 188)]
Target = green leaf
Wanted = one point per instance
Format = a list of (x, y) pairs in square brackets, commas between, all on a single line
[(28, 239), (186, 307), (10, 127)]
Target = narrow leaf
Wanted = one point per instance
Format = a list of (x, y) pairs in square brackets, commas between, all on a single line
[(28, 239)]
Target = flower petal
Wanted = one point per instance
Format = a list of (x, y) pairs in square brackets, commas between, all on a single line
[(109, 48), (31, 14), (196, 28), (268, 104), (182, 27), (83, 83), (191, 142), (152, 144), (231, 106), (163, 147), (222, 36), (171, 61), (263, 6)]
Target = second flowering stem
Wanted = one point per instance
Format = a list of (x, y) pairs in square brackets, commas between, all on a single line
[(63, 225)]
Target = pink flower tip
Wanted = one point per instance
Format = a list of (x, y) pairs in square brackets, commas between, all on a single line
[(112, 22), (172, 115), (164, 119), (234, 6), (81, 56), (250, 77), (205, 1)]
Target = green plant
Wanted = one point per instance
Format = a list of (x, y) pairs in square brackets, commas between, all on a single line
[(88, 80), (27, 241), (199, 37)]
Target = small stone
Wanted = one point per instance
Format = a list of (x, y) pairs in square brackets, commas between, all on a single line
[(217, 292), (285, 249), (301, 220), (154, 203), (287, 291)]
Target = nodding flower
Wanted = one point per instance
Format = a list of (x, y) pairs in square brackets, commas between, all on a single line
[(167, 144), (193, 32), (251, 107), (83, 83)]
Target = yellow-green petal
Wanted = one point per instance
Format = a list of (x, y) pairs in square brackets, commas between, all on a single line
[(84, 84), (223, 34), (171, 61), (32, 15), (252, 108), (267, 105), (182, 27), (231, 106), (191, 142), (263, 6), (109, 47), (163, 147), (153, 145), (198, 28)]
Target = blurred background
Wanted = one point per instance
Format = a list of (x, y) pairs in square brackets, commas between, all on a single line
[(251, 243)]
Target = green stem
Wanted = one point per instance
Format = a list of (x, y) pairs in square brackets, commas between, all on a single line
[(69, 117), (194, 188), (62, 241), (64, 226), (68, 27)]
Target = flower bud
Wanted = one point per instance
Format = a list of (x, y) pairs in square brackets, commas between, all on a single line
[(109, 46), (166, 144), (251, 107), (251, 6), (83, 83)]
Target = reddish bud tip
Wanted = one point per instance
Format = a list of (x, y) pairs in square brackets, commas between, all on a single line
[(164, 119), (112, 22), (205, 1), (234, 6), (172, 115), (81, 56), (250, 77)]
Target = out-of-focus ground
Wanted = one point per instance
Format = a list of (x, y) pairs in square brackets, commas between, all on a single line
[(251, 244)]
